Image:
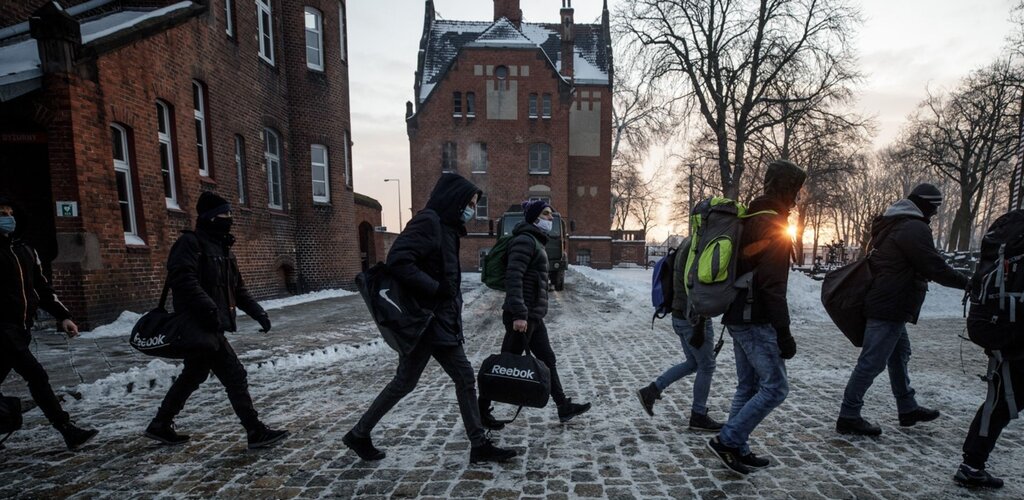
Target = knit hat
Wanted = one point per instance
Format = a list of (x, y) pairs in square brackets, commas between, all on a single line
[(210, 205), (784, 177), (532, 210), (928, 193)]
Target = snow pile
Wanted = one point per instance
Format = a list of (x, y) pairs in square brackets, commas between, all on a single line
[(321, 357), (121, 327), (334, 293), (157, 374)]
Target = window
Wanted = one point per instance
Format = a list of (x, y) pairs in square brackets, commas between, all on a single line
[(265, 24), (545, 199), (341, 29), (481, 208), (470, 104), (229, 17), (272, 157), (478, 157), (163, 128), (501, 72), (199, 106), (457, 109), (347, 151), (546, 110), (583, 257), (240, 169), (540, 158), (123, 176), (321, 183), (449, 155), (532, 111), (314, 39)]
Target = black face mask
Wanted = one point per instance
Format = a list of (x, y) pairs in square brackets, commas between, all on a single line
[(221, 225)]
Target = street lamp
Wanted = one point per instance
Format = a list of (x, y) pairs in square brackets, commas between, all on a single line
[(399, 202)]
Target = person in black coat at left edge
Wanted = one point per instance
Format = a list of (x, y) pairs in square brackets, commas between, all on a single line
[(24, 289), (425, 257), (203, 275)]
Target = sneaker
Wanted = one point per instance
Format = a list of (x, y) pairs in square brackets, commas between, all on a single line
[(487, 452), (265, 437), (164, 433), (754, 462), (729, 456), (488, 420), (857, 426), (363, 447), (969, 477), (921, 414), (699, 422), (647, 397), (569, 410), (74, 436)]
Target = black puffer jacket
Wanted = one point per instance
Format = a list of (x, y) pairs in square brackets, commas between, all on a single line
[(427, 254), (23, 288), (904, 261), (526, 277), (203, 274)]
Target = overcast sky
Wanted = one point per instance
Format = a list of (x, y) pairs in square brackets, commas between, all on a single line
[(905, 46)]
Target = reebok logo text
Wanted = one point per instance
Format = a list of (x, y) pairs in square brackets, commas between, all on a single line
[(513, 372)]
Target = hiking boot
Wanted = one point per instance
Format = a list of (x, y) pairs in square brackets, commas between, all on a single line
[(363, 447), (164, 433), (647, 397), (969, 477), (857, 426), (921, 414), (569, 410), (704, 423), (754, 462), (728, 455), (487, 452), (265, 437), (75, 436), (488, 420)]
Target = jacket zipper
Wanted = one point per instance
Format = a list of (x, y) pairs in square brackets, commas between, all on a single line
[(21, 277)]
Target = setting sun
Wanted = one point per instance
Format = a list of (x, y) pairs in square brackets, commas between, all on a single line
[(792, 231)]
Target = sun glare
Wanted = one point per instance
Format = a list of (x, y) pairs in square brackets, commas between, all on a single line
[(791, 230)]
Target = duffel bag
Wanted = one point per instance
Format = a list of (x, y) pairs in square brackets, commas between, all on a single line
[(521, 380), (171, 335)]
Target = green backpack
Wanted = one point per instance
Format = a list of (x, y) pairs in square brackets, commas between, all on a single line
[(496, 262)]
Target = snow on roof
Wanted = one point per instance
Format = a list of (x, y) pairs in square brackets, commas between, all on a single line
[(107, 25), (502, 32)]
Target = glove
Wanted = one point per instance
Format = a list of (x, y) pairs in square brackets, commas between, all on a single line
[(444, 290), (787, 345), (210, 320), (697, 339), (264, 322)]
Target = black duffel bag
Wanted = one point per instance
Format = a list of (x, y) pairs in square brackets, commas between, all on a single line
[(521, 380), (10, 416), (843, 293), (171, 335), (396, 312)]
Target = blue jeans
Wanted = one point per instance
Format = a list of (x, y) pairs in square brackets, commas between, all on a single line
[(761, 383), (886, 343), (700, 361)]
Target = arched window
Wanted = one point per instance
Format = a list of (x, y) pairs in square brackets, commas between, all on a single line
[(165, 139), (540, 158), (202, 137), (125, 188), (272, 157), (265, 25)]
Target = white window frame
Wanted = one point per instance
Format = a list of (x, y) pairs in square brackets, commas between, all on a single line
[(272, 161), (478, 157), (539, 170), (470, 104), (481, 207), (318, 30), (202, 136), (243, 195), (315, 165), (545, 109), (229, 17), (532, 105), (165, 139), (347, 152), (457, 104), (124, 166), (451, 153), (265, 26), (342, 27)]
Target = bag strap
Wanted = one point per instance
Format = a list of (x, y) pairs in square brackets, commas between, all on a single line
[(163, 297), (503, 422), (12, 432)]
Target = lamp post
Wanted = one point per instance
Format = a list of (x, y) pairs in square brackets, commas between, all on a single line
[(399, 202), (692, 165)]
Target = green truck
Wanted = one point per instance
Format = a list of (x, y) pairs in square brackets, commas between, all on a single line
[(557, 247)]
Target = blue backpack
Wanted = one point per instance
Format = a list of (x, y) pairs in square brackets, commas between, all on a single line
[(662, 287)]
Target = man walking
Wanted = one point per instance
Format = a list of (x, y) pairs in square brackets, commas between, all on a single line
[(903, 261)]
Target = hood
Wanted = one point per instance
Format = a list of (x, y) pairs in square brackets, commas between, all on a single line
[(905, 208), (526, 227), (898, 212), (451, 194)]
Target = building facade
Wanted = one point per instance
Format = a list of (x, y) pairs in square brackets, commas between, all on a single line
[(524, 111), (119, 113)]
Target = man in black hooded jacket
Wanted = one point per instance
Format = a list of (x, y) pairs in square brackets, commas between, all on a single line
[(904, 259), (425, 257)]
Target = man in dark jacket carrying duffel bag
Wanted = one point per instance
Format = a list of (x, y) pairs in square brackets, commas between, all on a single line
[(203, 275), (904, 261), (23, 289), (425, 258)]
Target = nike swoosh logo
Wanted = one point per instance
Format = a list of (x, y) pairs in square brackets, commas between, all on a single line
[(384, 294)]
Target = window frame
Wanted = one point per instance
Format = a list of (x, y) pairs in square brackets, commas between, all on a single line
[(478, 156), (272, 159), (265, 31), (343, 31), (542, 147), (482, 206), (457, 104), (449, 156), (123, 166), (166, 138), (229, 17), (314, 165), (545, 110), (319, 31), (202, 131), (470, 104), (532, 106), (347, 153), (240, 171)]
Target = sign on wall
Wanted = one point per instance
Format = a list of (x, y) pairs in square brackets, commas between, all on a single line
[(67, 209)]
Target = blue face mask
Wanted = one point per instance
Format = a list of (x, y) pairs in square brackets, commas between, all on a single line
[(544, 225), (468, 213), (7, 224)]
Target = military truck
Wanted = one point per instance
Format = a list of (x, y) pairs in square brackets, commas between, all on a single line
[(557, 247)]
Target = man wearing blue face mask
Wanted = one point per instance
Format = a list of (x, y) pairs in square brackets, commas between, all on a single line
[(23, 289)]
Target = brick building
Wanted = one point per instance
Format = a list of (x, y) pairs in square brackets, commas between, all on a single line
[(523, 110), (117, 114)]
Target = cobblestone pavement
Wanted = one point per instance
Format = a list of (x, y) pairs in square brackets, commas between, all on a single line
[(614, 451)]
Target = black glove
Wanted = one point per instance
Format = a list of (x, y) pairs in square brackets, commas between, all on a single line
[(210, 319), (787, 345), (697, 339), (264, 322), (444, 290)]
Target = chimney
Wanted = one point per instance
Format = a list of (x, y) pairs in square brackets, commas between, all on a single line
[(58, 38), (509, 9), (568, 38)]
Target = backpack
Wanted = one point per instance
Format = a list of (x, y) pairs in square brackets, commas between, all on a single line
[(711, 282), (996, 292), (395, 309), (662, 286), (496, 262)]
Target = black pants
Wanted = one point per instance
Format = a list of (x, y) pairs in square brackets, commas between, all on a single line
[(454, 362), (15, 355), (977, 448), (225, 366), (540, 346)]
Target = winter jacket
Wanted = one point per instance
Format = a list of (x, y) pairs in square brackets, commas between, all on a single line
[(526, 277), (903, 262), (23, 288), (426, 254), (765, 249), (203, 275)]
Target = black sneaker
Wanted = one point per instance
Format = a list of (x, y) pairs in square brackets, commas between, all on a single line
[(754, 462), (265, 437), (857, 426), (74, 436), (969, 477), (647, 397), (487, 452), (363, 447), (488, 420), (703, 423), (729, 456), (921, 414), (164, 433), (569, 410)]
